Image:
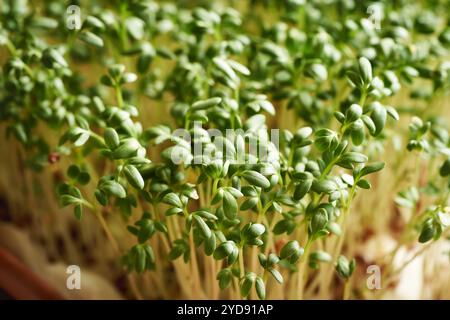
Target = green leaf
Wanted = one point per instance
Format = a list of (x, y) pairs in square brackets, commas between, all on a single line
[(303, 187), (224, 276), (107, 81), (56, 56), (128, 77), (172, 199), (73, 171), (302, 134), (127, 149), (239, 67), (93, 22), (272, 260), (101, 197), (135, 27), (321, 256), (319, 221), (339, 116), (134, 177), (78, 211), (140, 259), (371, 168), (160, 133), (392, 113), (354, 157), (326, 139), (67, 199), (260, 288), (113, 188), (44, 23), (277, 275), (267, 106), (445, 168), (150, 255), (357, 133), (344, 268), (210, 244), (427, 232), (146, 230), (83, 178), (116, 70), (81, 139), (318, 72), (292, 251), (223, 66), (230, 206), (365, 70), (255, 230), (369, 124), (205, 104), (235, 192), (224, 250), (91, 38), (378, 117), (262, 260), (334, 228), (256, 178), (324, 186), (173, 210), (111, 138), (233, 256), (249, 203), (205, 230), (364, 184), (353, 113), (143, 63), (281, 227), (247, 284), (165, 53), (205, 214), (161, 227), (176, 252)]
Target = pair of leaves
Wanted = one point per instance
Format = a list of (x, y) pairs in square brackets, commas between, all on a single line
[(291, 251), (345, 268), (140, 258), (227, 249), (250, 279)]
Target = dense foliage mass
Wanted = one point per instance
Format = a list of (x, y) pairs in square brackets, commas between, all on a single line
[(99, 94)]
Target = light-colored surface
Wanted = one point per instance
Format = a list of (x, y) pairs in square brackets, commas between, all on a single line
[(93, 286)]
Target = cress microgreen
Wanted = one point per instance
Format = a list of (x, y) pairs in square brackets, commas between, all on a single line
[(115, 100)]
